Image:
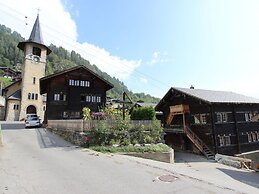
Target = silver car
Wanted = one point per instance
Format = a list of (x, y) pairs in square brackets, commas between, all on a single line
[(32, 122)]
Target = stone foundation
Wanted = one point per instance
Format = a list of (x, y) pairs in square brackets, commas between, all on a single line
[(167, 157), (75, 137), (236, 162)]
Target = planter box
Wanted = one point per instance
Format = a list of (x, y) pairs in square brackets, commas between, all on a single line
[(167, 157)]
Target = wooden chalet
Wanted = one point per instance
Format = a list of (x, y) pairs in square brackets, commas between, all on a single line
[(70, 90), (210, 121)]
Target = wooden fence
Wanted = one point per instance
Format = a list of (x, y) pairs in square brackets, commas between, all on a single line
[(82, 125)]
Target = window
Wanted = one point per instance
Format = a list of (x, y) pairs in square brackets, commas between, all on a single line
[(79, 83), (224, 140), (77, 114), (63, 97), (71, 82), (249, 137), (44, 108), (203, 118), (227, 140), (248, 117), (34, 80), (60, 97), (44, 98), (65, 115), (82, 83), (36, 51), (16, 107), (221, 117), (32, 96), (254, 136), (88, 98), (56, 97), (93, 98), (87, 83), (98, 99)]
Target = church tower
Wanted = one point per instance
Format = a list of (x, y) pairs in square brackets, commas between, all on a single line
[(35, 54)]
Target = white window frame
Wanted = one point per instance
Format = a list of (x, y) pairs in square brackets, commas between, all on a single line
[(224, 140), (56, 97), (98, 99), (249, 137), (93, 99), (88, 98), (203, 119)]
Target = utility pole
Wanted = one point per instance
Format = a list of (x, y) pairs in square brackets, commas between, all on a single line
[(123, 105)]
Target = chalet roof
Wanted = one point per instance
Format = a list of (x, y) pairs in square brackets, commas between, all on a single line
[(211, 96), (35, 37), (218, 96), (16, 95), (80, 68), (145, 104)]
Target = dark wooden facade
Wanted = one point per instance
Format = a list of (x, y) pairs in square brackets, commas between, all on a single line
[(69, 91), (227, 123)]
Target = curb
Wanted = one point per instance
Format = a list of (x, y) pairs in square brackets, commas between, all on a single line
[(1, 137)]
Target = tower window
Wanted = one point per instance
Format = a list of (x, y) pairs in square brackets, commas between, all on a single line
[(34, 80), (36, 51), (16, 107), (32, 96)]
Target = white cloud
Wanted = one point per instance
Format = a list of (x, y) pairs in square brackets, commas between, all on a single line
[(143, 80), (60, 29), (158, 57)]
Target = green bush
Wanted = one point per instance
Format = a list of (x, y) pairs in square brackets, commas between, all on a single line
[(143, 113), (121, 132)]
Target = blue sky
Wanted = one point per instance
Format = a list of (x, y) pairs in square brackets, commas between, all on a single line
[(152, 45)]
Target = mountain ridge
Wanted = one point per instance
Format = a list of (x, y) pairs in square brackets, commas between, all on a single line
[(58, 60)]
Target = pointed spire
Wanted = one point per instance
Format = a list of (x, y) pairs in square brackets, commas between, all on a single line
[(35, 37)]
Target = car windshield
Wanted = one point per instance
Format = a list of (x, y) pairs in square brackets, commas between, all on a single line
[(33, 119)]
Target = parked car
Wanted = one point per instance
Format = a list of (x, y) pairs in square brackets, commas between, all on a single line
[(32, 116), (32, 120)]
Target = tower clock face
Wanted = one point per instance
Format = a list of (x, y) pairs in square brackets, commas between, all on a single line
[(36, 59)]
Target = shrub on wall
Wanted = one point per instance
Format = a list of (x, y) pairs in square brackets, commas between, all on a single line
[(143, 113), (121, 132)]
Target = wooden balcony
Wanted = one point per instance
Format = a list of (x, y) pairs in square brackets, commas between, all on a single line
[(179, 109), (174, 129)]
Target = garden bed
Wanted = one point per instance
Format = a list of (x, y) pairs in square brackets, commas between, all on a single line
[(158, 152)]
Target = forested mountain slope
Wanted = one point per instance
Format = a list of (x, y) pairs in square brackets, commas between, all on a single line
[(59, 59)]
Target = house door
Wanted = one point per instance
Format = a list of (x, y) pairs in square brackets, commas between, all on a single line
[(31, 110)]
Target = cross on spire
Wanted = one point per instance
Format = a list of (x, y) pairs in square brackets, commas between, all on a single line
[(38, 9)]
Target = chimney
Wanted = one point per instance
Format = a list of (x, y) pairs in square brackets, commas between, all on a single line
[(191, 87)]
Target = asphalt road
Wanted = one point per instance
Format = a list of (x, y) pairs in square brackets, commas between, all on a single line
[(37, 161)]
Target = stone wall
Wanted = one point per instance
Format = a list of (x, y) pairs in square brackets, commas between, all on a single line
[(167, 157), (75, 137), (236, 162), (254, 156)]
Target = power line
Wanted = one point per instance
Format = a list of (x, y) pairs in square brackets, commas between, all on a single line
[(74, 44)]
